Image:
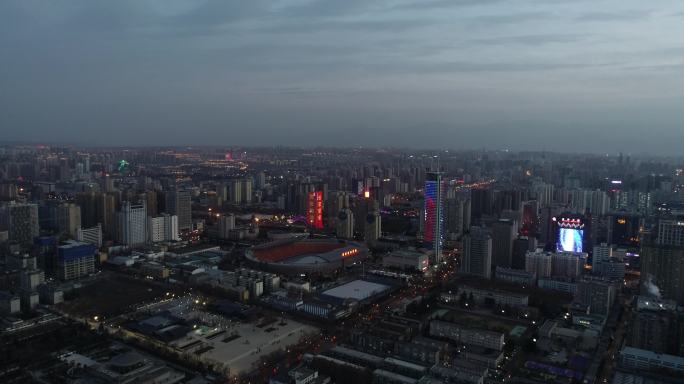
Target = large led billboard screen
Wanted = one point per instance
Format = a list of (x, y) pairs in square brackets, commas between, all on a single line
[(570, 239)]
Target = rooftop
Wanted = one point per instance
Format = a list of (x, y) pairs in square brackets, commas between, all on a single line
[(356, 289)]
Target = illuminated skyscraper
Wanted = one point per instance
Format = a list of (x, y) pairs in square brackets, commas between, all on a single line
[(433, 229)]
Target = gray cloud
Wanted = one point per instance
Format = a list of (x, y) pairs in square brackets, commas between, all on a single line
[(436, 4), (532, 39), (478, 73), (627, 15)]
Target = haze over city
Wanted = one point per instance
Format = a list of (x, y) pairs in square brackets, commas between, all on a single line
[(341, 191), (588, 76)]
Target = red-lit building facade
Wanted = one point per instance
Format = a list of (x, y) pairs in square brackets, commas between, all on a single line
[(314, 212)]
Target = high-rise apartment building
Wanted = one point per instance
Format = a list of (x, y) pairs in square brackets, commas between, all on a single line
[(595, 293), (225, 225), (92, 235), (456, 216), (20, 220), (246, 194), (568, 264), (345, 224), (163, 228), (68, 218), (538, 262), (662, 261), (75, 259), (132, 224), (235, 190), (503, 233), (179, 203), (373, 229), (477, 253)]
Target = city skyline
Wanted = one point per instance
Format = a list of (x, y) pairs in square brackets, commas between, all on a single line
[(532, 75)]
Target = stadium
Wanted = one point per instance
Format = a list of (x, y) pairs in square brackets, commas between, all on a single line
[(297, 256)]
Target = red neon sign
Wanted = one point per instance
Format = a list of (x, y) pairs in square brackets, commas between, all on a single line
[(314, 213)]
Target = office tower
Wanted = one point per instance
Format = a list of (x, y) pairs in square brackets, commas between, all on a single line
[(373, 229), (345, 224), (595, 293), (314, 212), (504, 233), (20, 220), (226, 224), (92, 235), (477, 253), (68, 218), (163, 228), (179, 203), (75, 259), (568, 264), (538, 262), (433, 215), (132, 221)]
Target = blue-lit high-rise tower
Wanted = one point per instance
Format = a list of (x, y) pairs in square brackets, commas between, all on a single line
[(433, 215)]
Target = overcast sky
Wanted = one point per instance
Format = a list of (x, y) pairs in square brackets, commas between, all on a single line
[(594, 75)]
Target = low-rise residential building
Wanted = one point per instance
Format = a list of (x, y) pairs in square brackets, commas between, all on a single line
[(465, 335), (488, 296), (560, 284), (515, 275)]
